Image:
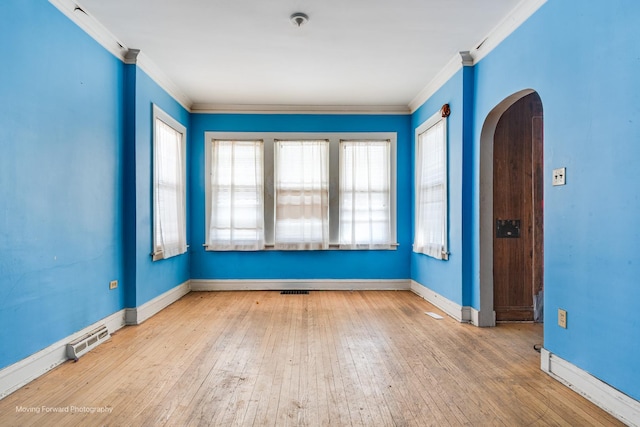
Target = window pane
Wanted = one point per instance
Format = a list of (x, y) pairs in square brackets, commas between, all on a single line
[(236, 201), (169, 190), (431, 197), (302, 194), (365, 219)]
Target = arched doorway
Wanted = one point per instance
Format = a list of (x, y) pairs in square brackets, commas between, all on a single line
[(511, 212)]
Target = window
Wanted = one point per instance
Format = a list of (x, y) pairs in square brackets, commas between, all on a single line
[(365, 212), (431, 188), (169, 212), (302, 191), (236, 195), (302, 194)]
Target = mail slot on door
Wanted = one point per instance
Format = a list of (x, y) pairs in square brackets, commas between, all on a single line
[(507, 228)]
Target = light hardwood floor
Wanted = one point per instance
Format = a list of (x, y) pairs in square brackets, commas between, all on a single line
[(371, 358)]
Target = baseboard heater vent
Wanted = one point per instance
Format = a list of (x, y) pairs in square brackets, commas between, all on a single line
[(88, 341), (294, 293)]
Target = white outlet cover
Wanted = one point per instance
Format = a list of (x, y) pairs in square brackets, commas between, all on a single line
[(560, 176)]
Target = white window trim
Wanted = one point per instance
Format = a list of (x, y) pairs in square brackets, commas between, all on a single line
[(427, 124), (319, 238), (269, 139), (159, 114), (369, 245), (259, 244)]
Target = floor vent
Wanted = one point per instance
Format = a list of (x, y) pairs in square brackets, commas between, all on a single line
[(294, 293), (80, 346)]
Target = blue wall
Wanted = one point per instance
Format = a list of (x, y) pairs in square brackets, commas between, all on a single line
[(75, 174), (152, 278), (330, 264), (61, 203), (444, 277), (75, 168), (583, 63)]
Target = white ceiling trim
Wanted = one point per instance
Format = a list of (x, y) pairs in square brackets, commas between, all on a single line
[(102, 35), (300, 109), (91, 26), (438, 81), (153, 71), (508, 25)]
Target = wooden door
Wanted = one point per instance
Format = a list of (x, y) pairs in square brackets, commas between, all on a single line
[(517, 209)]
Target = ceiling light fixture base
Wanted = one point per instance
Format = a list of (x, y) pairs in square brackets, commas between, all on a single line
[(299, 19)]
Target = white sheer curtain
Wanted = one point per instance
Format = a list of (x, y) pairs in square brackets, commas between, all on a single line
[(431, 192), (365, 212), (301, 194), (169, 192), (237, 196)]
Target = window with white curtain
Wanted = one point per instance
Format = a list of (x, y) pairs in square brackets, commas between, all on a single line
[(431, 188), (302, 194), (236, 195), (365, 208), (302, 190), (169, 188)]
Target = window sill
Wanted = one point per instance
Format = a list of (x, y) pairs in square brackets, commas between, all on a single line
[(332, 247), (159, 255)]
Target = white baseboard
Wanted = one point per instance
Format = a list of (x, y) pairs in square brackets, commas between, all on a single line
[(26, 370), (474, 316), (458, 312), (137, 315), (483, 319), (23, 372), (618, 404), (302, 284)]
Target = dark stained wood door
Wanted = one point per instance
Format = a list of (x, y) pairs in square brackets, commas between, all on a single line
[(517, 209)]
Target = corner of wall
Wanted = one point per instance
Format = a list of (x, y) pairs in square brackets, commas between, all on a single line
[(458, 312), (137, 315)]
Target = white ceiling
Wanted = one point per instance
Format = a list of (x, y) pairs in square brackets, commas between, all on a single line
[(350, 53)]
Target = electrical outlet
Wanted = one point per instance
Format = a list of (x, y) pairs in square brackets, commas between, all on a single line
[(560, 176), (113, 284), (562, 318)]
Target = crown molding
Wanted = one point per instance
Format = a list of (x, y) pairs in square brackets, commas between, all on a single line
[(131, 57), (97, 31), (300, 109), (508, 25), (153, 71), (438, 81), (467, 59), (76, 13)]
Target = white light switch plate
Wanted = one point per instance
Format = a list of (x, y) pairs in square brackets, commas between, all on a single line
[(560, 176)]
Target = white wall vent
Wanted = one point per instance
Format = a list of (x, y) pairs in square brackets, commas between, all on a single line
[(88, 341)]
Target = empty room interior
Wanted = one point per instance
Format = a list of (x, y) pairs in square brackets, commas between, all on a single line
[(319, 212)]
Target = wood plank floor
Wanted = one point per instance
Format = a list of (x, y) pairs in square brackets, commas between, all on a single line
[(370, 358)]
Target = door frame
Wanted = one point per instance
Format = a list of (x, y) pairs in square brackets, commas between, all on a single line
[(486, 314)]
